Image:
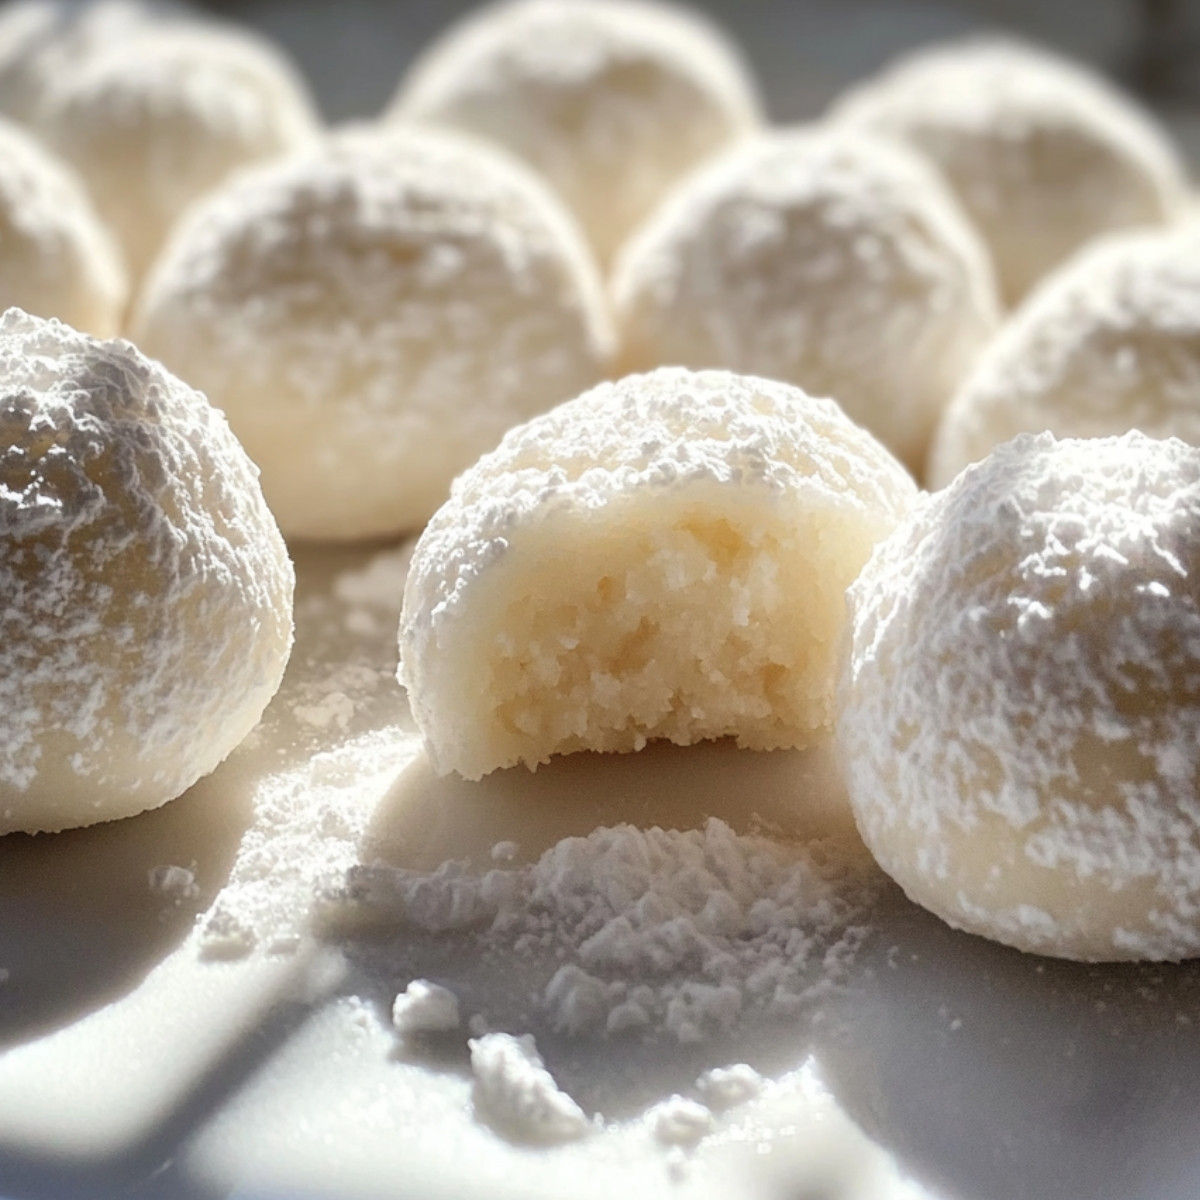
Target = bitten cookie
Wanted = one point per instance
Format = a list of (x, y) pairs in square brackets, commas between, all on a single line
[(663, 557)]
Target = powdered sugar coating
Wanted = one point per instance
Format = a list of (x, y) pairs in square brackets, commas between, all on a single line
[(834, 260), (1043, 154), (372, 316), (612, 100), (56, 259), (154, 120), (147, 615), (1109, 342), (1018, 709), (663, 557)]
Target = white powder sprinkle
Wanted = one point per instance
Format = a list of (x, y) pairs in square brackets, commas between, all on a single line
[(727, 1087), (652, 930), (425, 1007), (177, 884), (514, 1089)]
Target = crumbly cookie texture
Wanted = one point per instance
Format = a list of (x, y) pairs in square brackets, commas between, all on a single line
[(56, 258), (612, 100), (1018, 709), (835, 260), (664, 557), (154, 120), (372, 316), (1043, 153), (1108, 343), (148, 593)]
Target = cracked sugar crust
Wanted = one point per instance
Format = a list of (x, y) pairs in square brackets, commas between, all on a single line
[(1043, 153), (664, 557), (147, 616), (612, 100), (154, 120), (1018, 710), (56, 259), (1108, 343), (834, 260), (372, 316)]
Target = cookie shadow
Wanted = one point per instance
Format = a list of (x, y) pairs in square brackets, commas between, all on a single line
[(87, 913), (995, 1074)]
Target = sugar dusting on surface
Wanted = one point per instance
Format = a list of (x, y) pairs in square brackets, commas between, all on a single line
[(682, 932)]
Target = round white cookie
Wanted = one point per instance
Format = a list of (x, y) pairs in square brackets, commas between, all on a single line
[(1018, 710), (372, 316), (154, 120), (1043, 154), (830, 259), (56, 258), (612, 100), (664, 557), (1108, 343), (147, 613)]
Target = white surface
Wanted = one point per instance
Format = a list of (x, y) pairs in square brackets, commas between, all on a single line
[(132, 1060)]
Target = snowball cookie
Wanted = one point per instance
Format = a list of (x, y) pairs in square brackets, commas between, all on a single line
[(56, 259), (834, 260), (372, 316), (613, 100), (1109, 342), (148, 594), (1018, 713), (664, 557), (1043, 154), (153, 121)]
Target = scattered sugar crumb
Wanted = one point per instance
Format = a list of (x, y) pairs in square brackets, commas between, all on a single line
[(425, 1007), (679, 1121), (505, 851), (727, 1087), (225, 936), (513, 1087), (177, 884)]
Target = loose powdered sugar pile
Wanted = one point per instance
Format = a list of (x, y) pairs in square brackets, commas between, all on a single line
[(683, 931)]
